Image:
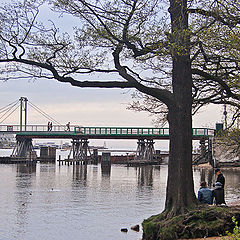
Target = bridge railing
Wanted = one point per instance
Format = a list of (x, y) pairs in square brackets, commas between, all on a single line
[(203, 132), (121, 131), (34, 128), (136, 131), (197, 132)]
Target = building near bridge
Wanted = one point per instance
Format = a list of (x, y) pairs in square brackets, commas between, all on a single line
[(7, 140)]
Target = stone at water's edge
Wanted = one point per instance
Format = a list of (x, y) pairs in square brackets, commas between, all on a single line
[(205, 221), (136, 228)]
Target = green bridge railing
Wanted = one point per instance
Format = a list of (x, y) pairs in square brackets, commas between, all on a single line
[(99, 131), (130, 131)]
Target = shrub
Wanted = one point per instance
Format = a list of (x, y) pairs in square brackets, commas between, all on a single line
[(235, 235)]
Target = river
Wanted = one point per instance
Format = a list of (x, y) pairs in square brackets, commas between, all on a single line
[(51, 202)]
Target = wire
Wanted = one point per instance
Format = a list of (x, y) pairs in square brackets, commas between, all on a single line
[(9, 114), (9, 109), (43, 113), (8, 106)]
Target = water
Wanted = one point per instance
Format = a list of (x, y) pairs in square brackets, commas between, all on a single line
[(61, 202)]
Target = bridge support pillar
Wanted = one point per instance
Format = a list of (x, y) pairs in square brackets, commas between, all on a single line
[(149, 150), (145, 149), (80, 149), (141, 146), (210, 152), (95, 156), (106, 163), (206, 153), (202, 146), (23, 148)]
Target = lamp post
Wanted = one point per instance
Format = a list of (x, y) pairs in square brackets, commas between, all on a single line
[(225, 115)]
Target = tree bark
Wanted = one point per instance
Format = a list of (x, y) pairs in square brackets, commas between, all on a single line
[(180, 188)]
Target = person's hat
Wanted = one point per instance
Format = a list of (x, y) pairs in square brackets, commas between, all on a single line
[(217, 170)]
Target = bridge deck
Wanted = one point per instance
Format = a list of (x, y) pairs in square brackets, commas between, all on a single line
[(78, 132)]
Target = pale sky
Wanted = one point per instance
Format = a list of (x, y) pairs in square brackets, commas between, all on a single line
[(85, 106)]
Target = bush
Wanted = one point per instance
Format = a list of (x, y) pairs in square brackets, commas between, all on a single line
[(236, 231)]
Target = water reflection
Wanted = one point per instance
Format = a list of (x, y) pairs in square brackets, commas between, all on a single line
[(80, 173), (232, 184), (145, 175), (106, 170), (24, 180), (207, 175), (25, 169), (87, 201)]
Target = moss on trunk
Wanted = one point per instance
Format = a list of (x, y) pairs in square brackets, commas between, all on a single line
[(204, 221)]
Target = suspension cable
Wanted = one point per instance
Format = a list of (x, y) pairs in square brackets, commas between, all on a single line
[(3, 109), (9, 114), (43, 113), (9, 109)]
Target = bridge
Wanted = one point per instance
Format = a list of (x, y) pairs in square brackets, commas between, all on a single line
[(81, 134)]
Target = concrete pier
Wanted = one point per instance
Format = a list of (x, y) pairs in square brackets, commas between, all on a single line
[(47, 154), (106, 163)]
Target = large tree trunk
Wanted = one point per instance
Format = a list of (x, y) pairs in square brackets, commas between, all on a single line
[(180, 189)]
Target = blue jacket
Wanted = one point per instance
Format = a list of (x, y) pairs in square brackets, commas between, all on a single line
[(205, 195)]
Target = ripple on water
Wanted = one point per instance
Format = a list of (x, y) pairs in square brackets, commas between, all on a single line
[(59, 203)]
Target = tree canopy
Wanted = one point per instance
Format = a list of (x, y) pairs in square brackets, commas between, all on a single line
[(138, 34)]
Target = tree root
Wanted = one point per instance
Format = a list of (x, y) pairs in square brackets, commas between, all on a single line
[(204, 221)]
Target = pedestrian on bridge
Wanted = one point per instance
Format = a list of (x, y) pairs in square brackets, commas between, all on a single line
[(49, 126), (68, 126)]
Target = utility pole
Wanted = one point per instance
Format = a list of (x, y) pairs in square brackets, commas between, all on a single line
[(225, 115), (23, 109)]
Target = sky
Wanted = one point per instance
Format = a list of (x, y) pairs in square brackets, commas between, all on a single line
[(85, 106), (82, 106)]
